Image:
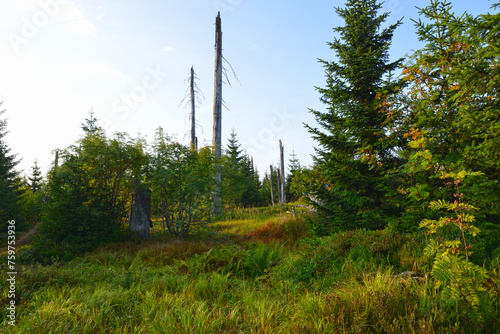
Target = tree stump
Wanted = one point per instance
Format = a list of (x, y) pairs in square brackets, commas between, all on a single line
[(140, 211)]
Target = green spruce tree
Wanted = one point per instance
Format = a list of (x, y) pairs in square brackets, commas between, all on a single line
[(233, 150), (293, 168), (233, 185), (252, 194), (90, 125), (240, 180), (355, 147), (35, 179), (450, 113), (9, 181)]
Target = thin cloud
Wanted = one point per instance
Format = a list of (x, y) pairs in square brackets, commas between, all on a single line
[(75, 20), (168, 49), (80, 27)]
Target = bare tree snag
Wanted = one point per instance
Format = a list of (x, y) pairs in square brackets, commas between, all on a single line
[(217, 127), (272, 184), (140, 211), (194, 144), (280, 195), (283, 178)]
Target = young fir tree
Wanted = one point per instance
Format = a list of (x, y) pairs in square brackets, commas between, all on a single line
[(233, 185), (90, 125), (9, 181), (252, 194), (35, 180), (240, 180), (89, 190), (293, 168), (233, 150), (355, 148)]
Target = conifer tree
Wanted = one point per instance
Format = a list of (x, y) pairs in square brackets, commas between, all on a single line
[(90, 125), (252, 194), (233, 185), (9, 181), (240, 180), (233, 148), (293, 168), (355, 148), (35, 180), (450, 111), (89, 190)]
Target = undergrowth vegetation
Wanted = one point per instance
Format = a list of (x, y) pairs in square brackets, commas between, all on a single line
[(272, 278)]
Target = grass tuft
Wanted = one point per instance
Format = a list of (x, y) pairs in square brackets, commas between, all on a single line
[(260, 273)]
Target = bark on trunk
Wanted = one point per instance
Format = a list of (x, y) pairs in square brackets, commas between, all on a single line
[(194, 144), (217, 127), (140, 211), (283, 178), (272, 184)]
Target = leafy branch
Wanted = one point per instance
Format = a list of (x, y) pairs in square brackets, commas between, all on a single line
[(456, 277)]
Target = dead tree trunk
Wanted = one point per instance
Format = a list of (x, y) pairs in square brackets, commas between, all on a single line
[(280, 195), (217, 128), (272, 184), (140, 211), (283, 178), (194, 144)]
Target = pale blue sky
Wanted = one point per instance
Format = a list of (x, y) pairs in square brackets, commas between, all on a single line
[(129, 61)]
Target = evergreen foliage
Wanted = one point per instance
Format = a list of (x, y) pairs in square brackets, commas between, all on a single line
[(35, 179), (90, 126), (240, 180), (88, 193), (32, 202), (449, 112), (9, 181), (355, 146), (293, 193), (391, 152)]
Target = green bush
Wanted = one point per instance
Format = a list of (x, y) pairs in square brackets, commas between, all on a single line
[(88, 195)]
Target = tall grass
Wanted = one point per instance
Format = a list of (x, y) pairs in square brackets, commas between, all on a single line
[(274, 278)]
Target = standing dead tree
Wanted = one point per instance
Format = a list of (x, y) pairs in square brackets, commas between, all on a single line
[(283, 178), (193, 93), (272, 184), (280, 194), (217, 127), (194, 144)]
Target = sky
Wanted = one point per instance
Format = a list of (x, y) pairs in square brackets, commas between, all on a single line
[(129, 62)]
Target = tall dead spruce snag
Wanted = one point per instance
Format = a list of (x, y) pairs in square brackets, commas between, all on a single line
[(217, 130)]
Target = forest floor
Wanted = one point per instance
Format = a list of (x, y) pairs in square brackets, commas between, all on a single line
[(22, 238), (257, 271), (26, 236)]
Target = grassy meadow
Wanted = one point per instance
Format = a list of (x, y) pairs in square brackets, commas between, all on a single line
[(255, 271)]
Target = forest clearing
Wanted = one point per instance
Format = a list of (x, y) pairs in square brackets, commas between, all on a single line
[(393, 228), (269, 276)]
